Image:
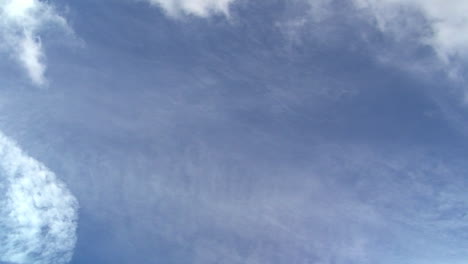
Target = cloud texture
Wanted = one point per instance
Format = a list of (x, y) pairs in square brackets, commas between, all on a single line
[(445, 24), (201, 8), (37, 212), (20, 24)]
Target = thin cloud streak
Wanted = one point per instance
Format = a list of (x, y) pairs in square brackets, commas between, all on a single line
[(21, 22), (199, 8)]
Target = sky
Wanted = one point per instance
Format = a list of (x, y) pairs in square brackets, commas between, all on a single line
[(233, 131)]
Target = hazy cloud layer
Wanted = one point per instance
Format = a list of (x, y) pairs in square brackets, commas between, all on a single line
[(20, 24), (201, 8), (212, 142), (37, 212)]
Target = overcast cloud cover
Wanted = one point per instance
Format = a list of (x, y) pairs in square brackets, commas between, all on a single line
[(233, 131)]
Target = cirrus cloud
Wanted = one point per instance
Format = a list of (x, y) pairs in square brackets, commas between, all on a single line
[(21, 22), (446, 23)]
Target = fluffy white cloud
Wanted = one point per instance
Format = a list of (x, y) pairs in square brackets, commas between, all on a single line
[(201, 8), (446, 22), (20, 24), (37, 213)]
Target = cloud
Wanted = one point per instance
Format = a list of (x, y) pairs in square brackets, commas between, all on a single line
[(37, 212), (21, 21), (446, 23), (200, 8)]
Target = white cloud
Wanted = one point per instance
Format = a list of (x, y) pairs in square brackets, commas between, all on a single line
[(446, 21), (37, 213), (201, 8), (20, 24)]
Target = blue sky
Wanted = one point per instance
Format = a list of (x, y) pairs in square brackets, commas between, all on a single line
[(233, 131)]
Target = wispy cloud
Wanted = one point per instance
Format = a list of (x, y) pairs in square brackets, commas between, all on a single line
[(200, 8), (37, 212), (445, 23), (20, 24), (411, 28)]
